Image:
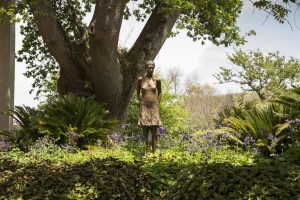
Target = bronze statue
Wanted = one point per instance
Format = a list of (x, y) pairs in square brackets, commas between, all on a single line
[(149, 118)]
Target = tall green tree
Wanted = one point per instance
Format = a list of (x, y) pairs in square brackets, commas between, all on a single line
[(267, 75), (85, 56)]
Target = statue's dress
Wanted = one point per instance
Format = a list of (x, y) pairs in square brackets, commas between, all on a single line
[(149, 106)]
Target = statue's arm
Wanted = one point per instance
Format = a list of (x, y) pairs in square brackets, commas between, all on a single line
[(158, 82), (138, 89)]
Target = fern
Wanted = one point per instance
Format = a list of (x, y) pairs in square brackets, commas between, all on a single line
[(84, 115), (259, 122), (57, 117)]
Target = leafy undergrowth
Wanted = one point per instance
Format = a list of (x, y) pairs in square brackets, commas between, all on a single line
[(225, 181), (118, 173), (105, 179)]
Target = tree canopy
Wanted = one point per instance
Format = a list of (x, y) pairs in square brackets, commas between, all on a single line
[(203, 20), (267, 75)]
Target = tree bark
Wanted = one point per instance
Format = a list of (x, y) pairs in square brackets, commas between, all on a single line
[(106, 69), (74, 68)]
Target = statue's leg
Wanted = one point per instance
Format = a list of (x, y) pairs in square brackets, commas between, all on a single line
[(145, 139), (154, 138)]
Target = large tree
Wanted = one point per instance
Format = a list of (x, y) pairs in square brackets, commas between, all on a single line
[(86, 58)]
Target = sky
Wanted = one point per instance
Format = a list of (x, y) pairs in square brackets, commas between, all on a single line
[(194, 58)]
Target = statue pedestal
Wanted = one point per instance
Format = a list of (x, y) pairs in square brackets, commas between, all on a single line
[(7, 69)]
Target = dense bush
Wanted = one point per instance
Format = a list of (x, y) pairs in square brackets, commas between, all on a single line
[(68, 119), (226, 181), (262, 125), (74, 118), (94, 179)]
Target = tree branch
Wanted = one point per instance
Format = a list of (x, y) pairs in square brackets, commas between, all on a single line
[(74, 65), (152, 37)]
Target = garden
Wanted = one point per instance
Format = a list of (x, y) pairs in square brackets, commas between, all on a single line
[(252, 153), (83, 141)]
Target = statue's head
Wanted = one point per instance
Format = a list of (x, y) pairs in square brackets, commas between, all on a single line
[(150, 65)]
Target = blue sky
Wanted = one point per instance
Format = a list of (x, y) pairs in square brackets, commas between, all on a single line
[(194, 58)]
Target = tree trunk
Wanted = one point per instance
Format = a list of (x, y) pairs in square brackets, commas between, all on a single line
[(106, 70)]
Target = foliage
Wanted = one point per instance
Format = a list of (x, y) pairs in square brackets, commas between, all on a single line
[(25, 132), (205, 20), (292, 102), (132, 115), (262, 123), (173, 114), (81, 116), (204, 104), (226, 181), (116, 173), (277, 9), (69, 120), (267, 75), (94, 179)]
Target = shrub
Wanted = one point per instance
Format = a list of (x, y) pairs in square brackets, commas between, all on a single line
[(95, 179), (25, 132), (264, 123), (225, 181), (68, 119), (78, 119)]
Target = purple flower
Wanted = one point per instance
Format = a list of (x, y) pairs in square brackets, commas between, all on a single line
[(185, 136), (160, 131), (272, 139), (201, 145), (125, 125), (69, 148), (73, 137), (4, 146), (43, 142), (116, 137), (246, 141), (249, 141), (254, 149), (252, 141)]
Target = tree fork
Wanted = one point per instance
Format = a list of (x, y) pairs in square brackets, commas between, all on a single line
[(74, 67)]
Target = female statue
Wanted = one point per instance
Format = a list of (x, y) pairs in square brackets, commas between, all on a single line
[(149, 118)]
